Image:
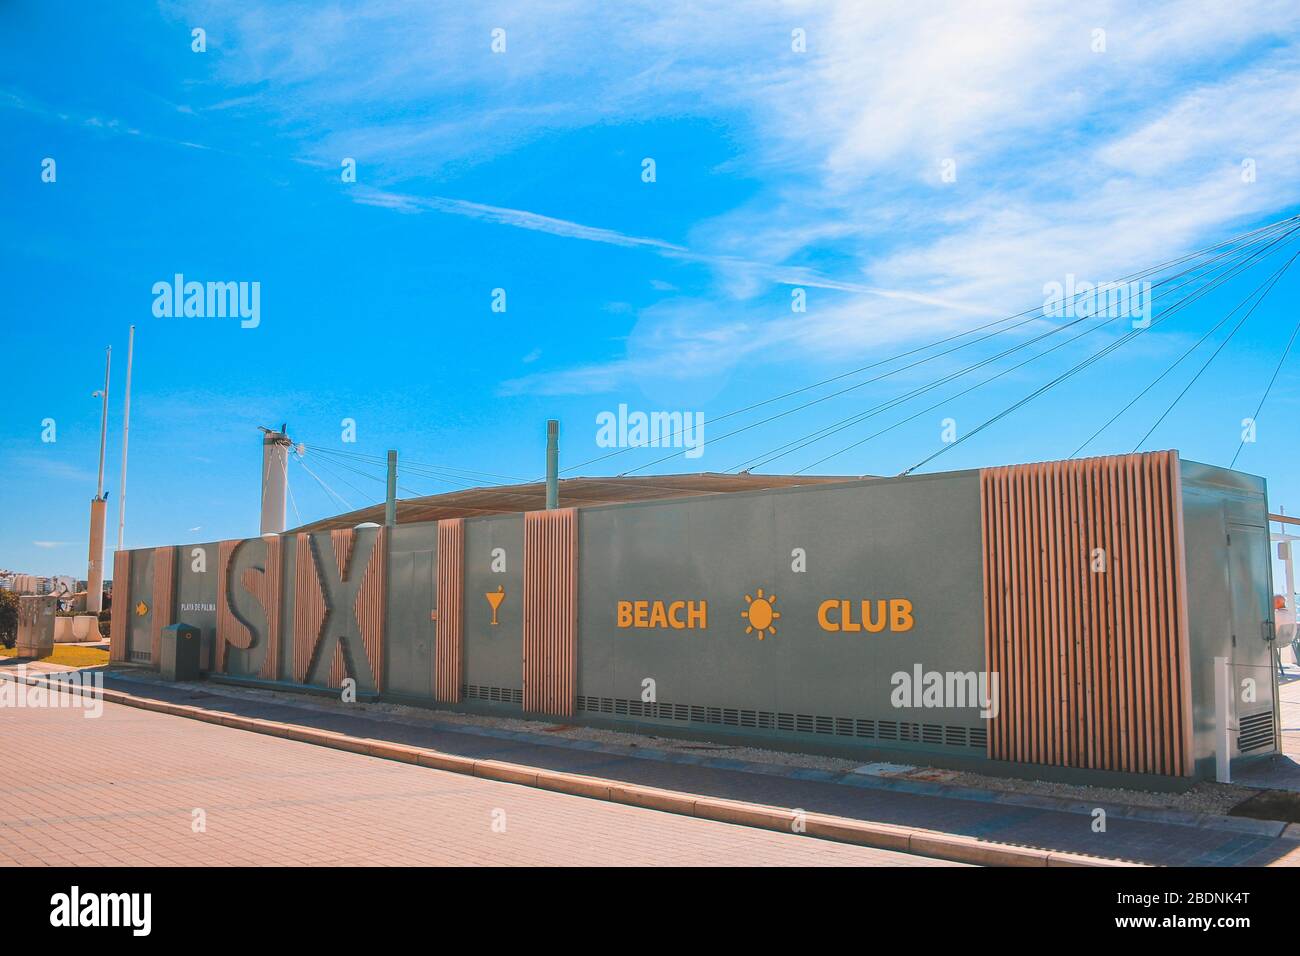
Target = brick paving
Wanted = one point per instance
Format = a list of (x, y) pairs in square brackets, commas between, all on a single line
[(123, 790), (1125, 838)]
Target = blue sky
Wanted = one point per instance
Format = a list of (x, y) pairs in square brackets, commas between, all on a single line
[(522, 170)]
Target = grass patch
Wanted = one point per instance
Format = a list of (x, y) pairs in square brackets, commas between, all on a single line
[(68, 655)]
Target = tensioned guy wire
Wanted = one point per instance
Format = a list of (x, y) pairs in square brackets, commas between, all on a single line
[(1159, 378), (1215, 354), (825, 432), (1263, 398), (1173, 309), (1245, 237), (1244, 259), (1119, 343)]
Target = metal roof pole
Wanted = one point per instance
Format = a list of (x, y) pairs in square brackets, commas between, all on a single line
[(390, 501), (552, 464)]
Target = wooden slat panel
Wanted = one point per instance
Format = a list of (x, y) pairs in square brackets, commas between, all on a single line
[(550, 611), (371, 599), (449, 643), (338, 667), (308, 608), (164, 565), (121, 609), (270, 593), (342, 541), (230, 630), (1092, 665)]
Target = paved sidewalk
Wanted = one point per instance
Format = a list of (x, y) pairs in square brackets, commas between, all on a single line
[(1126, 837), (137, 788)]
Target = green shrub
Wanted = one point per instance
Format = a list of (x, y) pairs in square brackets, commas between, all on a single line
[(8, 618)]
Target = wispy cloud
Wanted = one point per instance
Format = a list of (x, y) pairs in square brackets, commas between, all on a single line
[(1091, 140)]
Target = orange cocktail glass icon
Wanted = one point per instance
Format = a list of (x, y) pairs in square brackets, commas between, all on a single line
[(495, 598)]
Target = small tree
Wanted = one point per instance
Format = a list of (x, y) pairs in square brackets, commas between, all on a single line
[(8, 618)]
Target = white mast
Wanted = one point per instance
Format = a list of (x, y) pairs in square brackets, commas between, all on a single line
[(95, 564), (126, 434)]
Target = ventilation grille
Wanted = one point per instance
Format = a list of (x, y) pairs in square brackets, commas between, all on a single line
[(497, 695), (1256, 732), (891, 730), (141, 657)]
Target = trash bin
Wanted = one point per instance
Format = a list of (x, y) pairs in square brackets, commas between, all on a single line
[(179, 653)]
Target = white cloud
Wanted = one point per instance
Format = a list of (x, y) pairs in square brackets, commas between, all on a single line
[(1068, 159)]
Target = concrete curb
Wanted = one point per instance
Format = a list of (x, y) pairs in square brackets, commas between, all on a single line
[(938, 845), (929, 788)]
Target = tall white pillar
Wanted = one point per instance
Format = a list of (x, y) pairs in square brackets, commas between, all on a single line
[(275, 480)]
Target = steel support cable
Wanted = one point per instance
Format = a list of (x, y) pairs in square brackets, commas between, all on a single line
[(1159, 378), (1245, 237), (383, 460), (1248, 236), (948, 398), (488, 491), (414, 494), (499, 489), (373, 461), (826, 431), (803, 441), (406, 467), (1263, 398), (383, 464), (383, 480), (1119, 343), (411, 463), (328, 490), (289, 488), (972, 388), (809, 438), (337, 477), (884, 375), (1215, 354)]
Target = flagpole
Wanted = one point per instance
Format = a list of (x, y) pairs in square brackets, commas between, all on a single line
[(126, 434)]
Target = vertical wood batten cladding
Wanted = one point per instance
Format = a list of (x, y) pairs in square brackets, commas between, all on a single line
[(164, 564), (230, 630), (448, 645), (308, 608), (341, 542), (270, 588), (121, 606), (550, 611), (369, 607), (1092, 662)]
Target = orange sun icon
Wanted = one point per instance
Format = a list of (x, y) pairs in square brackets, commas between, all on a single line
[(761, 615)]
